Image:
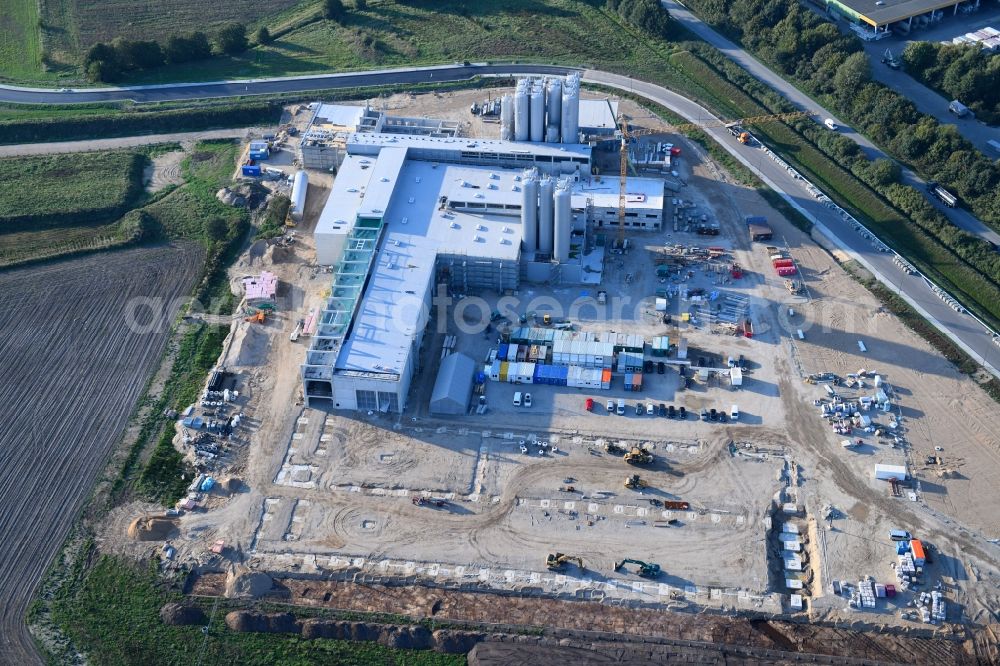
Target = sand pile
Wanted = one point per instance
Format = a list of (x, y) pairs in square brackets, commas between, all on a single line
[(250, 346), (244, 583), (151, 529)]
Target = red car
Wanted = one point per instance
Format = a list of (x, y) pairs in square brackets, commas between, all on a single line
[(589, 404)]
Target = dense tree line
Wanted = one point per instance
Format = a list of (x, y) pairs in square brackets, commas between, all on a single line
[(963, 72), (812, 53), (108, 61), (648, 15)]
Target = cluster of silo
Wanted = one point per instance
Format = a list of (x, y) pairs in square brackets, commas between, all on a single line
[(546, 214), (542, 110)]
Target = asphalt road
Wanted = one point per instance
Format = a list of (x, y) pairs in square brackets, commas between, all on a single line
[(958, 216)]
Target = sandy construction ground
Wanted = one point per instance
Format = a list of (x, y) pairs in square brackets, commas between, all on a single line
[(335, 493)]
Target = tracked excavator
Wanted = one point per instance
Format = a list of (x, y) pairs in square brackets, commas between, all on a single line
[(558, 561), (646, 570)]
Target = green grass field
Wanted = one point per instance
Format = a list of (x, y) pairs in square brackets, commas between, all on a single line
[(114, 610), (20, 40)]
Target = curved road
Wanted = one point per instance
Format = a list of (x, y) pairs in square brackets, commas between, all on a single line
[(958, 216), (963, 329)]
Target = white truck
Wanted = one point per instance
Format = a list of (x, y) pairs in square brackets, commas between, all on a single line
[(958, 108), (830, 124)]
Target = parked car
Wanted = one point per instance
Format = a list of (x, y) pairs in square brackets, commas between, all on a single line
[(713, 415), (611, 405), (527, 400), (704, 414), (663, 409), (621, 407), (661, 367), (638, 409), (683, 413), (650, 410), (589, 404), (743, 362), (648, 366), (671, 412)]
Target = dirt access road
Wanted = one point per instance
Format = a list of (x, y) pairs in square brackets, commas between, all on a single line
[(20, 150), (72, 370)]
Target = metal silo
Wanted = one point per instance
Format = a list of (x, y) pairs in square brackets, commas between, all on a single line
[(546, 216), (529, 210), (522, 111), (563, 220), (537, 132), (507, 118), (570, 125), (554, 109)]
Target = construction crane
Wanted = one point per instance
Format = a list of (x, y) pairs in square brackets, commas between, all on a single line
[(646, 570), (558, 561), (628, 134)]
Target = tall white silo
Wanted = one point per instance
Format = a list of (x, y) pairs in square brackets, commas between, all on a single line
[(563, 220), (554, 109), (507, 118), (571, 109), (537, 131), (529, 209), (522, 111), (546, 215)]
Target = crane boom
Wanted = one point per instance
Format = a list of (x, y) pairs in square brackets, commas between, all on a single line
[(629, 134)]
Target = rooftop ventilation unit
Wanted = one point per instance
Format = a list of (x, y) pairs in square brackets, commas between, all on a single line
[(412, 199), (404, 220)]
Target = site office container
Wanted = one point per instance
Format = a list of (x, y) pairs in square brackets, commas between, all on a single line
[(605, 379), (786, 271), (919, 557), (511, 353), (783, 262), (504, 369)]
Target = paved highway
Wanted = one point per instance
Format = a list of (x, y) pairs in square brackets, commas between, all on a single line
[(958, 216), (962, 328)]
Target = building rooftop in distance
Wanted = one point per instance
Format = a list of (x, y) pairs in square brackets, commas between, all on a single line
[(338, 117), (346, 195), (358, 142), (884, 12), (382, 183), (640, 192), (598, 114)]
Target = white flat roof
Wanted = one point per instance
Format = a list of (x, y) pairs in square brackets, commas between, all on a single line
[(391, 311), (382, 184), (341, 208), (418, 192), (598, 114), (639, 192), (357, 141), (340, 115)]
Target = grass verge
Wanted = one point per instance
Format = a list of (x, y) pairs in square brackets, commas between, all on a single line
[(113, 608)]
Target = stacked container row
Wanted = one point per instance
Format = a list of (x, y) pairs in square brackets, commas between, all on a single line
[(633, 381), (660, 345), (629, 362)]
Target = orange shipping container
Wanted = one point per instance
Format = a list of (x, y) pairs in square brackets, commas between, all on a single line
[(918, 551), (606, 376)]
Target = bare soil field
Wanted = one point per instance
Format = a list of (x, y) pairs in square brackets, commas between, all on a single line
[(72, 369)]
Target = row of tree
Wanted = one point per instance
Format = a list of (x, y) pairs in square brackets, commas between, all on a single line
[(108, 61), (648, 15), (963, 72), (816, 56)]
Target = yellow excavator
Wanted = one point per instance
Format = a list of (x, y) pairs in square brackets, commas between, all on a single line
[(558, 561), (634, 482), (638, 456)]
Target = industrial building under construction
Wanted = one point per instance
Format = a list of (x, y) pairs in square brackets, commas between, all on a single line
[(413, 209)]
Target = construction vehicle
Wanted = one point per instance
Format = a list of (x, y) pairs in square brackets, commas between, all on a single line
[(890, 60), (793, 287), (613, 448), (558, 561), (567, 489), (634, 482), (627, 135), (257, 318), (646, 570), (638, 456), (741, 134), (546, 320)]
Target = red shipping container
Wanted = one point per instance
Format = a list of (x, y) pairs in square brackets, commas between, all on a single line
[(785, 271), (783, 262), (890, 590)]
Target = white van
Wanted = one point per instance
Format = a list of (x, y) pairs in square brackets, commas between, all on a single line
[(517, 399), (734, 413), (830, 124), (621, 407)]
